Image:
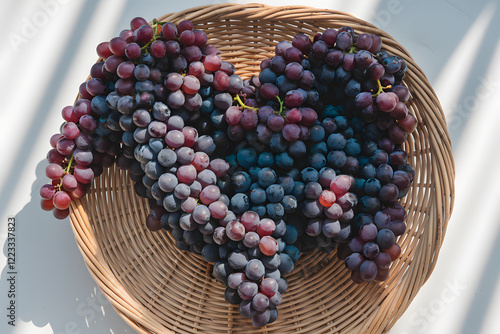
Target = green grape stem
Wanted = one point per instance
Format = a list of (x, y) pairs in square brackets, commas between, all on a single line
[(240, 102), (380, 88), (353, 49), (280, 112), (155, 26), (67, 170)]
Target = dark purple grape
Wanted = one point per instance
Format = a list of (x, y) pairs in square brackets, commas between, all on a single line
[(356, 245), (352, 88), (247, 290), (400, 111), (384, 173), (408, 124), (375, 71), (368, 232), (354, 261), (401, 179), (385, 238), (329, 36), (261, 319), (307, 80), (389, 193), (379, 157), (319, 49), (269, 91), (376, 44), (334, 57), (385, 102), (383, 260), (302, 42), (260, 302), (398, 157), (278, 64), (281, 47), (368, 270), (294, 71), (364, 42), (363, 58), (294, 98), (293, 54), (397, 134), (398, 227), (402, 92), (344, 41), (349, 63), (363, 100)]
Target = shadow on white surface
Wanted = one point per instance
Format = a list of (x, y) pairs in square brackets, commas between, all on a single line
[(54, 288), (480, 306), (54, 291)]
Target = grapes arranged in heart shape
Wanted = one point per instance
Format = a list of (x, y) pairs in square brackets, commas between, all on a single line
[(305, 155)]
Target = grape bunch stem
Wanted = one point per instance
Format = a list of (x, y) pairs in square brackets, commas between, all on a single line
[(67, 170), (353, 49), (380, 88), (280, 112), (157, 28), (240, 102)]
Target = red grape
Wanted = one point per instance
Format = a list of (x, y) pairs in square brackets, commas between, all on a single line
[(61, 200), (266, 227), (60, 214), (235, 230), (250, 220), (268, 245)]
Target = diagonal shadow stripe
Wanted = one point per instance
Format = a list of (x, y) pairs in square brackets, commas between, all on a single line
[(475, 319), (64, 62)]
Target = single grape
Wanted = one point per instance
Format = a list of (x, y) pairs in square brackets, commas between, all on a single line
[(269, 287), (251, 239), (354, 261), (368, 270), (54, 171), (235, 279), (340, 185), (235, 230), (260, 302), (238, 260), (254, 269), (61, 200), (247, 290), (47, 191), (268, 245), (266, 227), (69, 182)]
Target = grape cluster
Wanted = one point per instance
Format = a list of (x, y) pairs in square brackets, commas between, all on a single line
[(369, 255), (344, 150), (251, 260), (75, 158), (248, 174), (144, 76)]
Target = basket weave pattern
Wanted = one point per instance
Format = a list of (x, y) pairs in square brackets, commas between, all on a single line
[(158, 289)]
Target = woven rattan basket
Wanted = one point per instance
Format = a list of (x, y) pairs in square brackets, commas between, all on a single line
[(158, 289)]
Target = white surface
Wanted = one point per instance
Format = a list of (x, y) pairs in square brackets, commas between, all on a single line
[(47, 48)]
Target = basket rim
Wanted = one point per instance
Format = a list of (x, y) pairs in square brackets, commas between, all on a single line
[(127, 305)]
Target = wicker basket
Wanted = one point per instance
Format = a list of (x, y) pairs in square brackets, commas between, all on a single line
[(158, 289)]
